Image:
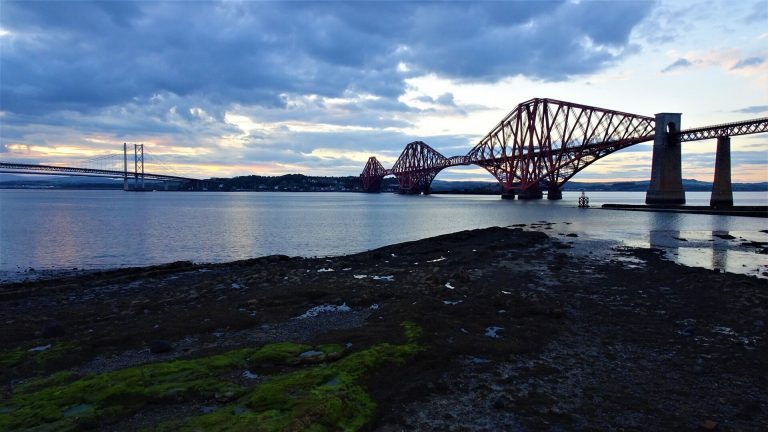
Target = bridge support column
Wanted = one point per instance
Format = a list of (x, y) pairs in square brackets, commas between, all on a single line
[(125, 166), (722, 193), (554, 193), (507, 193), (533, 192), (666, 185)]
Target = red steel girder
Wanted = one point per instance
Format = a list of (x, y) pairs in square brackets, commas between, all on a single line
[(544, 142), (372, 175), (728, 129), (417, 166)]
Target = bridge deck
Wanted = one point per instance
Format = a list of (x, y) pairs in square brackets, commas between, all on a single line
[(18, 168)]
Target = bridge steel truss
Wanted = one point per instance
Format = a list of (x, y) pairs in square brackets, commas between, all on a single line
[(417, 166), (373, 173), (541, 143), (759, 125)]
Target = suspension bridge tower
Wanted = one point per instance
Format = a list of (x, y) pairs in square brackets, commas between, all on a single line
[(138, 167)]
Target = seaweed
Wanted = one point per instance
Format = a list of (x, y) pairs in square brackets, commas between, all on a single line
[(322, 391)]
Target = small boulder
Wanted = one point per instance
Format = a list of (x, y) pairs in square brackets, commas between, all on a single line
[(160, 346), (53, 329), (501, 402)]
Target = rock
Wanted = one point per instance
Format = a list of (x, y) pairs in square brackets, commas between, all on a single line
[(160, 346), (500, 402), (572, 235), (40, 348), (698, 368), (312, 356), (709, 425), (461, 276), (53, 329), (278, 258), (224, 397)]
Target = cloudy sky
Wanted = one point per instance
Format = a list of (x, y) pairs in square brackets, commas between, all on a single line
[(255, 87)]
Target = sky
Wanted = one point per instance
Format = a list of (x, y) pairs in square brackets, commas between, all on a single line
[(227, 88)]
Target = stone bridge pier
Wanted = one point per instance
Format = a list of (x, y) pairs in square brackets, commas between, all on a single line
[(722, 193), (666, 185)]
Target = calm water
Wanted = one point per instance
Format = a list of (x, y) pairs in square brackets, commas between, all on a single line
[(46, 229)]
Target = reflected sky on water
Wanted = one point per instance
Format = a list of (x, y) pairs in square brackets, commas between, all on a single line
[(46, 229)]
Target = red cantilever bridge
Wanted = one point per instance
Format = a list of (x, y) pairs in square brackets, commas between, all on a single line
[(542, 143)]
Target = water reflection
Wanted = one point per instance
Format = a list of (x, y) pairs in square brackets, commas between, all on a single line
[(97, 229), (720, 250), (665, 232)]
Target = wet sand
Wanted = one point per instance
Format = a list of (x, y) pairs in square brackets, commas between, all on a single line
[(520, 330)]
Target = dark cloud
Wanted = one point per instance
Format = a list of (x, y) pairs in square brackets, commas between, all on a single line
[(755, 109), (747, 62), (83, 56), (677, 64), (309, 75)]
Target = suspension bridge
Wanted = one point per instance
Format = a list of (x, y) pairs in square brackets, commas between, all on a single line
[(543, 143), (113, 165)]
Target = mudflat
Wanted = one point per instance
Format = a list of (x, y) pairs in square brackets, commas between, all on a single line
[(492, 329)]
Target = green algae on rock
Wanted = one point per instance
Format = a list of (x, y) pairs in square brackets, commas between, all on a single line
[(38, 356), (12, 358), (326, 395)]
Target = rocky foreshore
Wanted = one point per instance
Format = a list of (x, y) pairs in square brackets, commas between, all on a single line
[(495, 329)]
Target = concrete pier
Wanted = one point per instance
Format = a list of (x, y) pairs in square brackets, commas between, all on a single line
[(533, 192), (508, 194), (666, 185), (722, 193), (554, 193)]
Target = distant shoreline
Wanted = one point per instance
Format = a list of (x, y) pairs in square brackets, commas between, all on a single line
[(303, 183)]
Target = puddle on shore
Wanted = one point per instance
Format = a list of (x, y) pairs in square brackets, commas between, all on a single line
[(741, 252)]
